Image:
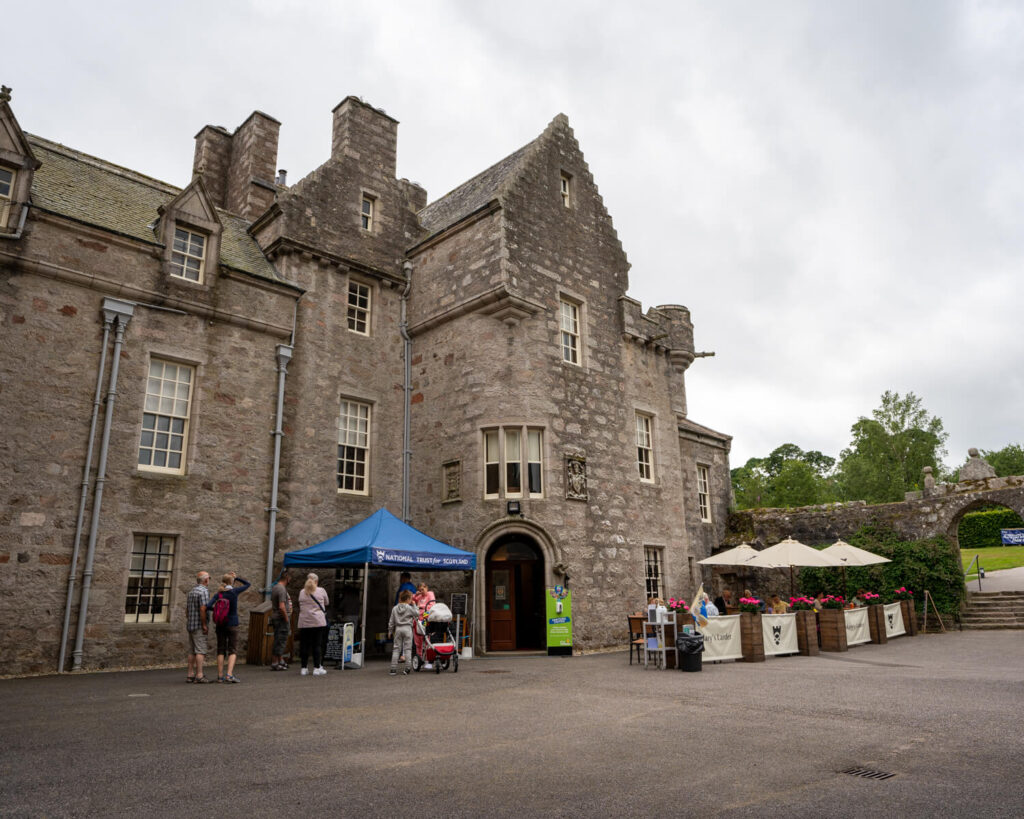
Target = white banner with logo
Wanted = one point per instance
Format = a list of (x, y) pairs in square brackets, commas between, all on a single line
[(722, 638), (894, 626), (779, 632), (857, 630)]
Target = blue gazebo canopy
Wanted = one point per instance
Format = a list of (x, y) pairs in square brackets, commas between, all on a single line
[(383, 540)]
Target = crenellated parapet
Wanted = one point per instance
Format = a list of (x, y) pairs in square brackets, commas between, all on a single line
[(666, 328)]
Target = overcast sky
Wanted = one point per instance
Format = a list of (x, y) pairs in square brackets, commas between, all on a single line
[(835, 190)]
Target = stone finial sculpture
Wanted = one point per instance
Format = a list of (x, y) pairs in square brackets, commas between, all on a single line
[(977, 468), (929, 479)]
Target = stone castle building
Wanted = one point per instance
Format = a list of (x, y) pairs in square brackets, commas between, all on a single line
[(207, 377)]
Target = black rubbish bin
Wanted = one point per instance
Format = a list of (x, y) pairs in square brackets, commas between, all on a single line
[(690, 648)]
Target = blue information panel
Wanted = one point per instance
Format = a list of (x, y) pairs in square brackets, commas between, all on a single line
[(1013, 537)]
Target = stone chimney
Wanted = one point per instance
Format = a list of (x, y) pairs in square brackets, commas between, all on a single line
[(238, 169), (365, 133)]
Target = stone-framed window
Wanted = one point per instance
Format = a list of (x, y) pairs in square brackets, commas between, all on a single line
[(565, 189), (645, 447), (513, 462), (703, 493), (653, 571), (165, 416), (569, 325), (367, 212), (148, 597), (7, 180), (353, 447), (359, 297), (188, 254), (451, 481)]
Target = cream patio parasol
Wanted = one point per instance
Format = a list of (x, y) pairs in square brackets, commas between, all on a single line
[(852, 556), (737, 556), (790, 553)]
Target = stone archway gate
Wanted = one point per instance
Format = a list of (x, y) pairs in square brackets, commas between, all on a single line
[(936, 510)]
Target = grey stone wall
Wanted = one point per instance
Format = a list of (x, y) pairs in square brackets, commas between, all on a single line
[(52, 332)]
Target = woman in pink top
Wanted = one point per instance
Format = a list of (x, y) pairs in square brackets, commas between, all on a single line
[(423, 599), (312, 624)]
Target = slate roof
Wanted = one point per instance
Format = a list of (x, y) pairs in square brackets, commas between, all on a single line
[(99, 193), (692, 426), (472, 195)]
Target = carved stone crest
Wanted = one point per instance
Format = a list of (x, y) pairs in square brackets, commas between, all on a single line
[(575, 477), (452, 487)]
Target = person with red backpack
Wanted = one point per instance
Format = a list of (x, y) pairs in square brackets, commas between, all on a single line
[(224, 606)]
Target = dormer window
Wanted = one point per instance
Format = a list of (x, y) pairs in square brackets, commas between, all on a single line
[(367, 212), (188, 254), (6, 194), (565, 183)]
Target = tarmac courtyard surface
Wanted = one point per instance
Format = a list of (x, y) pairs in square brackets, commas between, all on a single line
[(535, 736)]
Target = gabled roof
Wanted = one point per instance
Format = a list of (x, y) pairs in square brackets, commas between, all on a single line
[(470, 196), (107, 196)]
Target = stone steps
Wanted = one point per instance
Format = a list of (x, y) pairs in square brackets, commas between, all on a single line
[(993, 610)]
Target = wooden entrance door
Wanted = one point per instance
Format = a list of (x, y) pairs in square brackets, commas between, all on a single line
[(501, 609)]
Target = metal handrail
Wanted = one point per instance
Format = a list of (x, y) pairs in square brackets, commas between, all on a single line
[(981, 571)]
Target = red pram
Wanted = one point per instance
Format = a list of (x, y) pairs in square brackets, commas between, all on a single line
[(437, 646)]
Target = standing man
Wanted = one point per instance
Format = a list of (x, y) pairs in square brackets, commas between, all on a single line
[(280, 619), (405, 579), (196, 604), (723, 601)]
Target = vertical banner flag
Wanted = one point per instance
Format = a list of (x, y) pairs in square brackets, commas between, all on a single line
[(558, 604)]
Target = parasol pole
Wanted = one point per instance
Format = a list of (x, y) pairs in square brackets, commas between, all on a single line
[(362, 620)]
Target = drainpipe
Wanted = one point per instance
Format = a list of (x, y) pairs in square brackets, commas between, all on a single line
[(284, 355), (96, 401), (120, 312), (21, 225), (403, 326)]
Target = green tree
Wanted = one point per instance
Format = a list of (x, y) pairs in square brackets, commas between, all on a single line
[(788, 476), (889, 450), (1006, 461)]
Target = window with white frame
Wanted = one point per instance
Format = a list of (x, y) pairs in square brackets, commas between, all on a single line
[(703, 493), (187, 255), (565, 188), (367, 212), (644, 447), (6, 194), (165, 416), (353, 447), (149, 579), (510, 455), (359, 308), (570, 328), (652, 571)]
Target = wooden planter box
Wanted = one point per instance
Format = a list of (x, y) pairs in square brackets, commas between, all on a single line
[(876, 624), (807, 632), (909, 617), (751, 637), (832, 627)]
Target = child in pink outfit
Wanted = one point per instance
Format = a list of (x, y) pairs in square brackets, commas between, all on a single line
[(423, 599)]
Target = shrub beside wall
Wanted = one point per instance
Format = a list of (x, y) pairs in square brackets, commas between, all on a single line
[(931, 563), (980, 530)]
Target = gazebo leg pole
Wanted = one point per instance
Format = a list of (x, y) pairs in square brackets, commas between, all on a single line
[(362, 620)]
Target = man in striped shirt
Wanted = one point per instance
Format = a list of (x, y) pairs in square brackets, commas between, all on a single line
[(196, 604)]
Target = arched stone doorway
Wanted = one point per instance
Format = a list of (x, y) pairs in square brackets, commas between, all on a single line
[(515, 579)]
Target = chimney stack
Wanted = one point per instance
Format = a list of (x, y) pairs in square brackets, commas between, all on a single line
[(365, 133)]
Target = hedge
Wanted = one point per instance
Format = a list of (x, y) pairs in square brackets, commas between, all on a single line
[(931, 563), (979, 530)]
